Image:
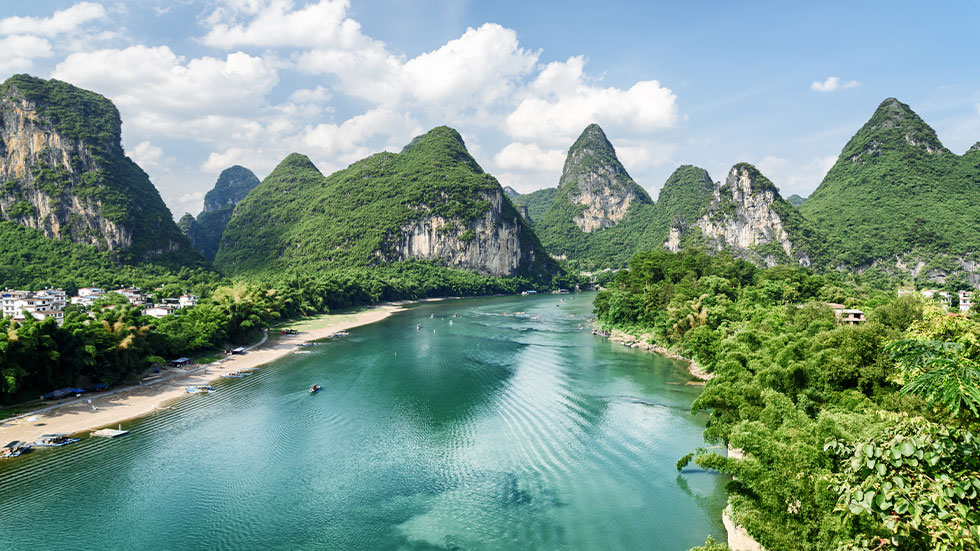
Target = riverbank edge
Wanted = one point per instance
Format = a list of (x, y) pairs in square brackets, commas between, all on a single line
[(738, 538), (643, 342), (134, 402)]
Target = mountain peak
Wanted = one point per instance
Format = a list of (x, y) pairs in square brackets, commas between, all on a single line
[(595, 183), (592, 138), (975, 147), (892, 127), (232, 186)]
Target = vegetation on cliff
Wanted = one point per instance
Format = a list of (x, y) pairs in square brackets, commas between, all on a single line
[(110, 182), (895, 189), (297, 221)]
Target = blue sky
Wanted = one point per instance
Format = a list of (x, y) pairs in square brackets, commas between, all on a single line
[(204, 85)]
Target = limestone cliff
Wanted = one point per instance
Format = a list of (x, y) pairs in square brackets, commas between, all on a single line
[(491, 244), (596, 184), (63, 172), (746, 216)]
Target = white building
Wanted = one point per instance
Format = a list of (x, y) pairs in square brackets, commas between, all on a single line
[(188, 301), (158, 311), (966, 301), (19, 304)]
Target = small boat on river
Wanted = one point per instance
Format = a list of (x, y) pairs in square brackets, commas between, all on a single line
[(54, 441), (315, 388), (200, 389)]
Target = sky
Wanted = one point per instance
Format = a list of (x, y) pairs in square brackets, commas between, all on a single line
[(204, 85)]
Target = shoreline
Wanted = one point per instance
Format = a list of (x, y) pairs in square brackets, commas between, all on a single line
[(633, 341), (95, 411)]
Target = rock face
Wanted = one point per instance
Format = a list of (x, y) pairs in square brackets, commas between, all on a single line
[(489, 245), (594, 181), (431, 202), (63, 172), (743, 217), (205, 232)]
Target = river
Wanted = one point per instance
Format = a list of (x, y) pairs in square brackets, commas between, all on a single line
[(501, 424)]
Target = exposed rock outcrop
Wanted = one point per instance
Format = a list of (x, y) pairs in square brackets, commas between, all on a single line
[(594, 181), (63, 171), (490, 245), (745, 216)]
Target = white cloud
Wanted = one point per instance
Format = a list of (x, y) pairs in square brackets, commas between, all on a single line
[(147, 155), (470, 73), (160, 92), (560, 103), (832, 84), (522, 156), (796, 177), (275, 23), (62, 21), (347, 142), (18, 52)]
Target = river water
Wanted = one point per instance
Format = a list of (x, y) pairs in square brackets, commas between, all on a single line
[(510, 428)]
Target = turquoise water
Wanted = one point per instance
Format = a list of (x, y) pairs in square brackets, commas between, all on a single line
[(511, 428)]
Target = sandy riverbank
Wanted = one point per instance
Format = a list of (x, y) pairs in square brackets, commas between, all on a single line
[(113, 408)]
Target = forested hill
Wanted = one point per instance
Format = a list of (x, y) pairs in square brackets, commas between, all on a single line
[(206, 230), (896, 192), (63, 171), (430, 202)]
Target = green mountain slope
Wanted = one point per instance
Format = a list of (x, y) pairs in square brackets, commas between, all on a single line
[(432, 202), (537, 202), (206, 230), (895, 189), (63, 171)]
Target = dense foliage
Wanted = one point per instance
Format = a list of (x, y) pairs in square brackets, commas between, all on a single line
[(31, 261), (105, 179), (897, 189), (842, 448), (297, 221)]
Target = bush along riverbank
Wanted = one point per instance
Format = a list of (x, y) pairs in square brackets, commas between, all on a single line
[(855, 437)]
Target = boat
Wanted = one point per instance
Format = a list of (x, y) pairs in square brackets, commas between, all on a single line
[(200, 389), (109, 433), (14, 449), (54, 440), (233, 375), (315, 388)]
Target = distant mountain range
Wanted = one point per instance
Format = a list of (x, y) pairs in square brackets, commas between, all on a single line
[(896, 199)]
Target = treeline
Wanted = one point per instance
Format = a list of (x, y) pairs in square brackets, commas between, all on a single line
[(120, 343), (855, 437)]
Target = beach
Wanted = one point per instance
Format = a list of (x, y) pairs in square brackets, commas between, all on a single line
[(97, 410)]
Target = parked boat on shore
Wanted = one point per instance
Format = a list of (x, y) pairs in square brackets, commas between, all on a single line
[(14, 449), (54, 441)]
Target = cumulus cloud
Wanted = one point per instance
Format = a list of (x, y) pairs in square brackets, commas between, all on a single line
[(561, 102), (62, 21), (522, 156), (161, 92), (147, 155), (275, 23), (473, 72), (796, 177), (832, 84), (18, 52), (347, 142)]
